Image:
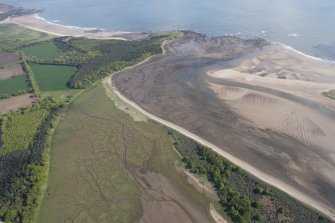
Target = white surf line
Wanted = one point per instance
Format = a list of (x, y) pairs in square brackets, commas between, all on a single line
[(309, 201), (9, 20)]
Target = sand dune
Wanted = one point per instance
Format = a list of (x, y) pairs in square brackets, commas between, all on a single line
[(292, 105), (274, 113), (273, 62)]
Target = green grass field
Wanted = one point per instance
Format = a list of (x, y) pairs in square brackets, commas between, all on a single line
[(43, 51), (13, 85), (52, 79), (13, 36), (105, 166)]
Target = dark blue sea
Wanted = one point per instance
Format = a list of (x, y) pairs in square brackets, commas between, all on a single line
[(306, 25)]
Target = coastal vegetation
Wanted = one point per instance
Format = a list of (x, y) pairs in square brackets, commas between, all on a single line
[(93, 59), (13, 37), (8, 11), (243, 197), (110, 168), (98, 58), (330, 94)]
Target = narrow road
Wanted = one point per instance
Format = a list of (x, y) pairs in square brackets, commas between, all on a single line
[(311, 202)]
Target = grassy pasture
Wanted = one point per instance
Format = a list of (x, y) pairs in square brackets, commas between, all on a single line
[(98, 155), (13, 36), (13, 85), (52, 79), (43, 51)]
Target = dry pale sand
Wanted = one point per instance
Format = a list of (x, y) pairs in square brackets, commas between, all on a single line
[(218, 218), (15, 103), (284, 71), (281, 90), (36, 23)]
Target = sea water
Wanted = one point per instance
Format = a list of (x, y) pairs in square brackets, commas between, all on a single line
[(306, 25)]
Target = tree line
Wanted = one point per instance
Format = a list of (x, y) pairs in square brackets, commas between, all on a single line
[(243, 197), (23, 171)]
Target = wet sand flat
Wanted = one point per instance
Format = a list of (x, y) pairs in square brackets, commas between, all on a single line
[(280, 130)]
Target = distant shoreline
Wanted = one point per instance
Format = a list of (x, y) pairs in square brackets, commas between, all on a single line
[(40, 24), (37, 23)]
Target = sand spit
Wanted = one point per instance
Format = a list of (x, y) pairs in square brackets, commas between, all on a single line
[(249, 168), (276, 127), (280, 90), (37, 23)]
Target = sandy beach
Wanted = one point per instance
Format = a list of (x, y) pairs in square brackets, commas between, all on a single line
[(272, 89), (37, 23), (246, 166), (269, 74), (262, 109)]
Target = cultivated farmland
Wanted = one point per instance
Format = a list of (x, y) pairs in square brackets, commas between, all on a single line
[(45, 51), (16, 102), (14, 85), (52, 79), (10, 71), (8, 58), (9, 65)]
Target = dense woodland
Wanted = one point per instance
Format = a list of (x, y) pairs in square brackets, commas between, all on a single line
[(23, 165), (95, 59), (244, 198)]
